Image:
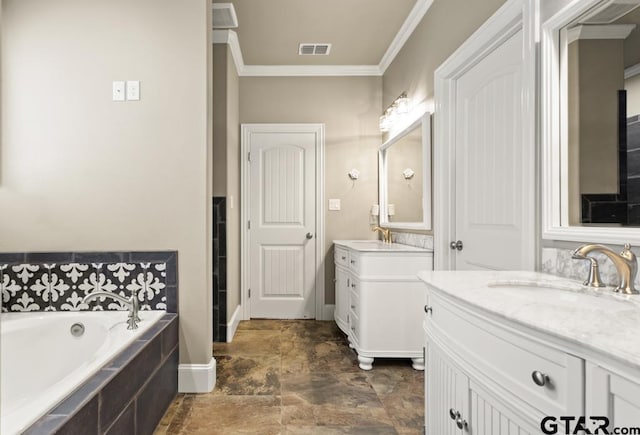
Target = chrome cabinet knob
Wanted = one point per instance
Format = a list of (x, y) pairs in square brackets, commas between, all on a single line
[(461, 423), (344, 258), (453, 414), (539, 378), (456, 244), (310, 236), (428, 309), (353, 285), (353, 307), (353, 261)]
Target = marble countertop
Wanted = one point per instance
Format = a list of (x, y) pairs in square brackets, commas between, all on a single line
[(600, 320), (378, 246)]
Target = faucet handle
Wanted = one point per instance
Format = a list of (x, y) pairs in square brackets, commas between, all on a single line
[(594, 279), (628, 253)]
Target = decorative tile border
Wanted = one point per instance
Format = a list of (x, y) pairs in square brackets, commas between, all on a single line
[(59, 281)]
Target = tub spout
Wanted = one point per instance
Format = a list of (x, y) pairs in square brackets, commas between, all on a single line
[(131, 303)]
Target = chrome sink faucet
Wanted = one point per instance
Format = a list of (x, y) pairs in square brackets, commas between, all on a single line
[(131, 303), (625, 263), (386, 233)]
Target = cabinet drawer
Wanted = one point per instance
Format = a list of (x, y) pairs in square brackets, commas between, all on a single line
[(354, 325), (354, 303), (354, 286), (354, 262), (341, 256), (509, 360)]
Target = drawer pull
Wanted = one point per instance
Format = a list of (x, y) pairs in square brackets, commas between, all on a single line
[(344, 258), (453, 414), (428, 309), (353, 328), (353, 285), (539, 378), (353, 307), (353, 261)]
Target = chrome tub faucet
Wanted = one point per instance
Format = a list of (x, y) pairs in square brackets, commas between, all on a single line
[(131, 303), (625, 263)]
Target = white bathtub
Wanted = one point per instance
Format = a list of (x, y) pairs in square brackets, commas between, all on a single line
[(42, 362)]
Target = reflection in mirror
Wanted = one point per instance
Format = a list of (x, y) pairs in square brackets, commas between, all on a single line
[(602, 67), (405, 177)]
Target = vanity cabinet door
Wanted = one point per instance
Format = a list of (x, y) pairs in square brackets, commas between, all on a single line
[(611, 395), (447, 394), (342, 299)]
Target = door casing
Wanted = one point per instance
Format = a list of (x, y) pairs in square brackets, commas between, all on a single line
[(245, 173)]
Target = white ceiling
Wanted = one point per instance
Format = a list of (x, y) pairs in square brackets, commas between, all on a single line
[(360, 31)]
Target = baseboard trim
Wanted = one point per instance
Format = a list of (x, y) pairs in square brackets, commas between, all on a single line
[(197, 378), (327, 312), (232, 326)]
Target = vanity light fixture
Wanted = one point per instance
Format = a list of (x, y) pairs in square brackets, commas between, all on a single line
[(400, 106)]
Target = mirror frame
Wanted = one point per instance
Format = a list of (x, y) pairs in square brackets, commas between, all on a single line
[(554, 137), (424, 123)]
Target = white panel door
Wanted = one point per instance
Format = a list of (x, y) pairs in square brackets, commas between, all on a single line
[(282, 224), (489, 160)]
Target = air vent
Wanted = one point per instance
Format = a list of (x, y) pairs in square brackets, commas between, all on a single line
[(224, 16), (315, 49), (609, 12)]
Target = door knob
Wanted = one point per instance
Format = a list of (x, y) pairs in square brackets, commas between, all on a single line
[(456, 245), (310, 236)]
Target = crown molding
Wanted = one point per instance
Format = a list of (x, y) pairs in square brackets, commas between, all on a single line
[(310, 70), (632, 71), (413, 19), (230, 37), (599, 31)]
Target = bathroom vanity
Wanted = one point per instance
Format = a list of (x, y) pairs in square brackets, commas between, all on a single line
[(508, 352), (379, 299)]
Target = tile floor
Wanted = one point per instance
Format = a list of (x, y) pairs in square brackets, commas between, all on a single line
[(299, 377)]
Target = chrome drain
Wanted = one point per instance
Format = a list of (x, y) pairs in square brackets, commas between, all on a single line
[(77, 329)]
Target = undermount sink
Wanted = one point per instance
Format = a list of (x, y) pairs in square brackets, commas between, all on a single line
[(568, 294)]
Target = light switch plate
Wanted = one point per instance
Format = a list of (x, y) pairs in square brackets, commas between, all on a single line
[(334, 204), (118, 91), (133, 90)]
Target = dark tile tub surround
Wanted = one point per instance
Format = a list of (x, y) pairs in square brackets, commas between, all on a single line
[(58, 281), (128, 396), (219, 269)]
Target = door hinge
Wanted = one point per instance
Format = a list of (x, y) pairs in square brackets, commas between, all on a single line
[(249, 293), (248, 225), (249, 156)]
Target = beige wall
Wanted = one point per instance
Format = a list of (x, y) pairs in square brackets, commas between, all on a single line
[(83, 173), (220, 119), (438, 35), (233, 187), (349, 107), (632, 85), (226, 154)]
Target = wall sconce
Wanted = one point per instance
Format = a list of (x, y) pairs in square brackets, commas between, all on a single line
[(408, 173), (400, 106)]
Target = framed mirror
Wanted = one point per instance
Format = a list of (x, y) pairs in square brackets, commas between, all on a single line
[(405, 177), (591, 122)]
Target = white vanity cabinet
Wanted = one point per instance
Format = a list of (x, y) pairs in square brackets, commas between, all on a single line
[(498, 360), (612, 395), (379, 299)]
